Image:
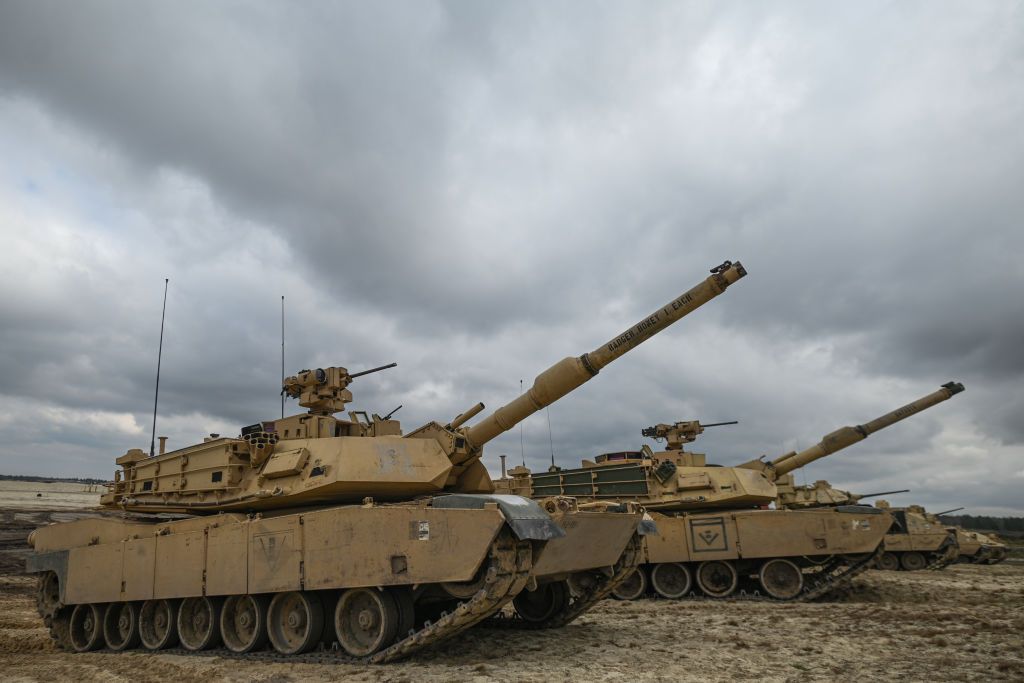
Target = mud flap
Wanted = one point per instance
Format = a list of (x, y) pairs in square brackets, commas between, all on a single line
[(55, 561), (525, 517)]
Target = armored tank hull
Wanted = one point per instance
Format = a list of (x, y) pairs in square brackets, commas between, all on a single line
[(368, 575), (384, 581), (719, 551), (773, 554)]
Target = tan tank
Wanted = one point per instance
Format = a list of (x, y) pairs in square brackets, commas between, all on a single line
[(978, 548), (917, 540), (314, 529), (711, 533)]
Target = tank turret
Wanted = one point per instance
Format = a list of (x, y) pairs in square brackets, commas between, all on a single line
[(679, 480), (820, 494), (317, 458)]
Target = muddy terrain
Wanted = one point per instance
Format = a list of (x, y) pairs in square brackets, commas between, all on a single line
[(963, 623)]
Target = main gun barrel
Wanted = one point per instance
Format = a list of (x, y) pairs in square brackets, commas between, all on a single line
[(847, 436), (881, 493), (570, 373), (946, 512)]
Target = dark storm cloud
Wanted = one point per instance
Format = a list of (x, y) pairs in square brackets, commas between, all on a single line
[(478, 190)]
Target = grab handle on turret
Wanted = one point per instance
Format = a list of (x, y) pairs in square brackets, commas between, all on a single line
[(847, 436), (570, 373)]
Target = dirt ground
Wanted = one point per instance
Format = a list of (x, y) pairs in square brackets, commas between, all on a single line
[(963, 623)]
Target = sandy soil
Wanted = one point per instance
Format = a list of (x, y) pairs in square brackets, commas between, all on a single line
[(39, 495), (964, 623)]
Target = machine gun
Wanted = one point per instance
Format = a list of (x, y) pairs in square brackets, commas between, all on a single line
[(678, 433), (324, 391)]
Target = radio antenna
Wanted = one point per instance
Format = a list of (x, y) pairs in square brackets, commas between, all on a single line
[(159, 356), (551, 440), (522, 448), (282, 355)]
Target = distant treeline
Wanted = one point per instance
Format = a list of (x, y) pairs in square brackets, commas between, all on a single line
[(982, 523), (73, 480)]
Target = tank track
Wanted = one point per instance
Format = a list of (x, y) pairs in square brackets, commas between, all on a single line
[(59, 626), (942, 561), (582, 602), (833, 576), (510, 563), (837, 578)]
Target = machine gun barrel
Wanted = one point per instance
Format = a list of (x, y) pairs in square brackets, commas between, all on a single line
[(946, 512), (719, 424), (847, 436), (372, 370), (570, 373)]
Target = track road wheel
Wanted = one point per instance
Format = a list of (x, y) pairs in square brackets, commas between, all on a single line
[(121, 626), (366, 620), (888, 562), (158, 627), (243, 623), (537, 606), (633, 587), (781, 579), (717, 578), (86, 628), (48, 594), (913, 561), (199, 623), (671, 580), (295, 622)]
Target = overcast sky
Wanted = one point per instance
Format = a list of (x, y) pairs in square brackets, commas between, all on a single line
[(476, 190)]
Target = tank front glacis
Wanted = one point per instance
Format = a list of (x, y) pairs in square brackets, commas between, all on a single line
[(715, 535), (315, 528)]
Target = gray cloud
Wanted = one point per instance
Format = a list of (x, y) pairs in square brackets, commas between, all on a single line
[(476, 191)]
